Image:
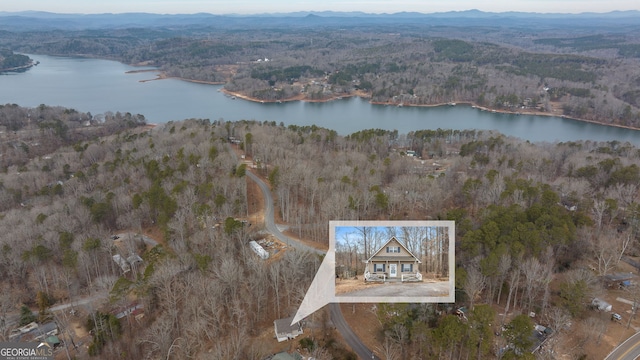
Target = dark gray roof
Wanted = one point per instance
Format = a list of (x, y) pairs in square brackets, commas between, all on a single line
[(40, 331), (282, 356), (393, 238), (284, 325), (394, 258)]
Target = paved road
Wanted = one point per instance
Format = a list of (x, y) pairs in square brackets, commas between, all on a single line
[(84, 301), (269, 222), (352, 339), (628, 350), (631, 262), (336, 314)]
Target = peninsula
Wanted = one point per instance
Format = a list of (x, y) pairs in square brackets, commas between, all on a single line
[(10, 62)]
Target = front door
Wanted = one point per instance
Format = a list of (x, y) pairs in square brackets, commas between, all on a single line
[(393, 270)]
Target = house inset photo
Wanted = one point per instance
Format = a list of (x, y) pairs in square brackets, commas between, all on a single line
[(392, 262), (412, 260)]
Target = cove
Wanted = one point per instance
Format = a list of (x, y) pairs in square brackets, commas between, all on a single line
[(99, 86)]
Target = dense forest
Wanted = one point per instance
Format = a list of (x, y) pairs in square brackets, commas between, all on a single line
[(536, 226), (199, 284), (28, 133), (554, 69)]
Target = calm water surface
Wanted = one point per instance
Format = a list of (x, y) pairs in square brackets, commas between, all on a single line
[(101, 85)]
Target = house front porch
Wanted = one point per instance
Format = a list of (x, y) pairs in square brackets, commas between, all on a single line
[(384, 277)]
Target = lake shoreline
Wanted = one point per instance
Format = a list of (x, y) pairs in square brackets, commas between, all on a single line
[(161, 102), (464, 103), (20, 68), (364, 95)]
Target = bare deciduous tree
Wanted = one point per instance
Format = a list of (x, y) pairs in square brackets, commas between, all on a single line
[(390, 350), (503, 270), (608, 247), (474, 282)]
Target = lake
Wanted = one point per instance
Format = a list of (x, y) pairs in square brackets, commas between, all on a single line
[(99, 86)]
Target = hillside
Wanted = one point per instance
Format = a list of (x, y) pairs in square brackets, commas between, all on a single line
[(575, 65), (531, 221)]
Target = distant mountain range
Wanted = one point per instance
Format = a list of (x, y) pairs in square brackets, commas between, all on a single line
[(38, 20)]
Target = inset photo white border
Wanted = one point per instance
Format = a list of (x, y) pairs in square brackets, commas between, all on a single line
[(393, 261)]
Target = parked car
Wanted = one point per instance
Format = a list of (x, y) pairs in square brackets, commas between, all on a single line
[(616, 317)]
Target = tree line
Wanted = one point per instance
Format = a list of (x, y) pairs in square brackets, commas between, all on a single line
[(412, 65)]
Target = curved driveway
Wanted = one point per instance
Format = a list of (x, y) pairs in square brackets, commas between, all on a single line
[(269, 222), (336, 314)]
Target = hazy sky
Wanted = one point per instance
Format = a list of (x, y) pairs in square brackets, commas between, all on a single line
[(267, 6)]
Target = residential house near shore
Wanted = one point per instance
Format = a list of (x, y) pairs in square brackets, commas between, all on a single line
[(392, 261)]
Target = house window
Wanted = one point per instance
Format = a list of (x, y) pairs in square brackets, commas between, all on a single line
[(407, 267), (393, 249), (378, 267)]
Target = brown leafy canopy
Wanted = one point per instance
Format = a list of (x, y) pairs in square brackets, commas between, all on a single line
[(31, 132), (514, 210)]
